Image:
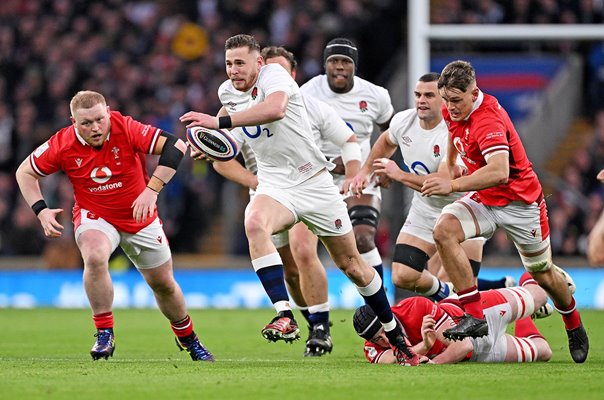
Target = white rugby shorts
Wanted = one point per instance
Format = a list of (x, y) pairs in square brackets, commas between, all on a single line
[(148, 248), (317, 202), (498, 313), (525, 224)]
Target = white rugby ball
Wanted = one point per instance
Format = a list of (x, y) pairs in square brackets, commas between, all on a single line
[(217, 144)]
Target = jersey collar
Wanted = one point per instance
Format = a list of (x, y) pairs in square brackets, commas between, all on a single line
[(477, 103)]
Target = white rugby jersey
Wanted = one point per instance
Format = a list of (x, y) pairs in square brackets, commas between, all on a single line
[(325, 124), (328, 128), (422, 150), (285, 150), (365, 105)]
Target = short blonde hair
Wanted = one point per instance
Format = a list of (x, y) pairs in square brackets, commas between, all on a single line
[(86, 99)]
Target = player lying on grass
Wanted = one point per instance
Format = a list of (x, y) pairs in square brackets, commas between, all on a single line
[(424, 322)]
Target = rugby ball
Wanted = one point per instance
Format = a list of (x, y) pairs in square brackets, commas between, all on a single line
[(217, 144)]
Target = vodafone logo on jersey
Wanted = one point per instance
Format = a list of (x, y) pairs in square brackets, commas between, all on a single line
[(100, 175)]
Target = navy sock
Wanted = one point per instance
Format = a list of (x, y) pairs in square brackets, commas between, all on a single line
[(380, 270), (379, 304), (487, 284), (306, 315), (274, 283), (321, 317)]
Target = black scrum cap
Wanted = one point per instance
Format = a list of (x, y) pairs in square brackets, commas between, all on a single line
[(365, 322), (341, 47)]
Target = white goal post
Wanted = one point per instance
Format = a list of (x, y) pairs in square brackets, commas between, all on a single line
[(421, 32)]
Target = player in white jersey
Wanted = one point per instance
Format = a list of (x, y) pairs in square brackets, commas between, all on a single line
[(264, 103), (422, 137), (307, 285), (362, 105)]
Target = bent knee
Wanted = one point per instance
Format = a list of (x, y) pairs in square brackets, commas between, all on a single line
[(164, 287), (405, 277), (448, 228), (255, 225), (303, 253), (544, 350), (364, 236), (95, 259)]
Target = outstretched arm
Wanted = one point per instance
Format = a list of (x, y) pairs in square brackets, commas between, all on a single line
[(29, 185), (496, 172), (271, 109), (381, 148)]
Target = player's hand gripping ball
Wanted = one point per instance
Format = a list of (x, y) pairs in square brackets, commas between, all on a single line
[(217, 144)]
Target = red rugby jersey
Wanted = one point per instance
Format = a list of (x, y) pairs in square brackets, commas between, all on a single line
[(489, 129), (410, 312), (105, 181)]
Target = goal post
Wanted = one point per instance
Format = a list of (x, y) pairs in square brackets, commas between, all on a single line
[(421, 32)]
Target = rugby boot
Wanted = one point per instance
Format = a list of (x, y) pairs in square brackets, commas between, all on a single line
[(104, 345), (319, 341), (281, 328), (578, 344), (468, 326), (196, 350)]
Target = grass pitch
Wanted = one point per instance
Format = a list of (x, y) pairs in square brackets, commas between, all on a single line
[(44, 354)]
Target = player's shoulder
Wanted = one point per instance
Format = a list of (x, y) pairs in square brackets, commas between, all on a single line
[(225, 88), (404, 117), (363, 85), (59, 143), (412, 302), (490, 113), (314, 82), (314, 104), (117, 118), (490, 106), (273, 71)]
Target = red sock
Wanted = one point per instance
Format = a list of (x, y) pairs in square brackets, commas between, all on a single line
[(183, 328), (525, 327), (103, 320), (470, 300), (527, 279), (570, 315)]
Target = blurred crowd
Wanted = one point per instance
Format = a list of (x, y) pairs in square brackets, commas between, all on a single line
[(154, 60)]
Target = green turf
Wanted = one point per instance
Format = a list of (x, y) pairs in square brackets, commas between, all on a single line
[(44, 354)]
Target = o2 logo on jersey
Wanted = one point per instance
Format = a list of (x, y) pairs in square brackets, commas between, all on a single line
[(418, 167), (258, 132), (100, 175)]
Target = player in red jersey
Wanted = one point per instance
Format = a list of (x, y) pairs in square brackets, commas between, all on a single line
[(103, 155), (504, 191), (425, 321)]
